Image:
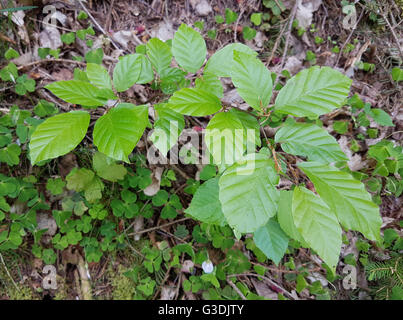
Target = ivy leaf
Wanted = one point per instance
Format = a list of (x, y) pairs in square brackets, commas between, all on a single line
[(309, 140), (194, 102), (317, 224), (252, 80), (210, 83), (159, 54), (58, 135), (127, 72), (167, 128), (107, 169), (271, 240), (313, 92), (205, 205), (77, 92), (225, 126), (99, 76), (221, 62), (189, 48), (117, 132), (346, 197), (248, 194)]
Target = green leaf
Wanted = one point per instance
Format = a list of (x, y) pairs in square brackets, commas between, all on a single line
[(313, 92), (77, 92), (117, 132), (224, 138), (248, 33), (189, 48), (248, 194), (381, 117), (10, 154), (210, 83), (194, 102), (55, 186), (271, 240), (346, 197), (251, 127), (79, 179), (68, 38), (167, 128), (45, 108), (205, 205), (221, 62), (147, 73), (99, 76), (127, 72), (230, 16), (11, 54), (284, 216), (159, 54), (58, 135), (252, 80), (107, 169), (311, 141), (256, 18), (94, 56), (397, 74), (317, 224)]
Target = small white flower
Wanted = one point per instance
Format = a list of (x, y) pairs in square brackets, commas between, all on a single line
[(207, 266)]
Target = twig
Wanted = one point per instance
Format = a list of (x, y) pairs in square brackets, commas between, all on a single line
[(267, 279), (158, 227), (237, 22), (236, 289), (287, 39), (393, 32), (51, 60), (348, 38), (97, 25), (8, 273)]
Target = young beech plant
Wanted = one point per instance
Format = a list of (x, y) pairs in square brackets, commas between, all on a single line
[(244, 195)]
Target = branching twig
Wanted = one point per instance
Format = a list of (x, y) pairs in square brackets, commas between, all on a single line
[(8, 273), (287, 39), (267, 279), (51, 60), (158, 227), (236, 289), (98, 25)]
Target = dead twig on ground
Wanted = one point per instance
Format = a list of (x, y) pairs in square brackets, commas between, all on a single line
[(158, 227), (287, 39), (268, 280), (98, 25)]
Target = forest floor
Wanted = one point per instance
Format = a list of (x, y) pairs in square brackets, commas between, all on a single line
[(143, 261)]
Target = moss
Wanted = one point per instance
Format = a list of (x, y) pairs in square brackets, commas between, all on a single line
[(123, 287), (61, 293), (24, 293)]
